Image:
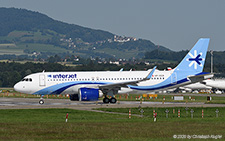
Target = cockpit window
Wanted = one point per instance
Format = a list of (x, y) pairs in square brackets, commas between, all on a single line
[(27, 79)]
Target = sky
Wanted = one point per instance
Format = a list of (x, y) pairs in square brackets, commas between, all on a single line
[(175, 24)]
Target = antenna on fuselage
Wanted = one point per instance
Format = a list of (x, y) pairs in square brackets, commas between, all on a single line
[(43, 71)]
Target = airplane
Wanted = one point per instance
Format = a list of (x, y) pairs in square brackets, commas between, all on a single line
[(216, 83), (90, 85), (209, 84), (196, 86)]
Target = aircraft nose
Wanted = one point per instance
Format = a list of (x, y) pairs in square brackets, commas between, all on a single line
[(16, 87), (22, 88), (19, 87)]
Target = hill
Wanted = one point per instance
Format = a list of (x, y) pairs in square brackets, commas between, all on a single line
[(27, 32)]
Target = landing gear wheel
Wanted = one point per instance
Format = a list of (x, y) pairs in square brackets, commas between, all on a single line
[(106, 100), (41, 101), (113, 100)]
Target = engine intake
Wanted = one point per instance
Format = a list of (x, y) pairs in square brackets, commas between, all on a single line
[(88, 94)]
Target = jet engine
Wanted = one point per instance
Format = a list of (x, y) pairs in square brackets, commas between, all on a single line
[(86, 94)]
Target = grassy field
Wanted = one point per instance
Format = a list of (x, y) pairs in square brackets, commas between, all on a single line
[(42, 48), (169, 98), (10, 49), (49, 124), (18, 49)]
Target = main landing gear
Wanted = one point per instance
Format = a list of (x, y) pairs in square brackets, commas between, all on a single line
[(41, 101), (111, 100)]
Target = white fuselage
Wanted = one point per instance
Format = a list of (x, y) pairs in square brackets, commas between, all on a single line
[(196, 86), (217, 83), (70, 82)]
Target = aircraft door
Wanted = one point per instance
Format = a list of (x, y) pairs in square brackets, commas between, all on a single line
[(42, 80), (174, 78)]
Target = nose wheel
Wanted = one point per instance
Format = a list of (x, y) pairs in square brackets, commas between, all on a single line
[(41, 101)]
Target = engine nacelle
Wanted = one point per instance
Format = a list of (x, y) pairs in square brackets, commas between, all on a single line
[(88, 94)]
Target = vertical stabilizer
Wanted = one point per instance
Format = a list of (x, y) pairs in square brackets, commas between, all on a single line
[(195, 59)]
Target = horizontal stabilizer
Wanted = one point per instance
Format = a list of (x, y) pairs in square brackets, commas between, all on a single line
[(199, 78)]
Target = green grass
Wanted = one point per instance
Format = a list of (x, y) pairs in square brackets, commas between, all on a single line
[(42, 48), (209, 112), (10, 49), (118, 53), (168, 98), (18, 49), (22, 36), (49, 124)]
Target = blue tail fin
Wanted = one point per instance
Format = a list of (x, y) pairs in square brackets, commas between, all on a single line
[(194, 61)]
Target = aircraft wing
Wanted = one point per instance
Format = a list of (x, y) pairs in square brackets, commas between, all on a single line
[(124, 84)]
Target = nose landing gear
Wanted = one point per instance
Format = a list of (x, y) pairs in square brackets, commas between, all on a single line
[(41, 101)]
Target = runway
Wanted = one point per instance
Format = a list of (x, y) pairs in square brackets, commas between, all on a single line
[(32, 103)]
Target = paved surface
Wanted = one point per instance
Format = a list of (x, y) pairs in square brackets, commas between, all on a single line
[(32, 103)]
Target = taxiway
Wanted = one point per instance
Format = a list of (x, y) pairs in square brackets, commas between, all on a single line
[(32, 103)]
